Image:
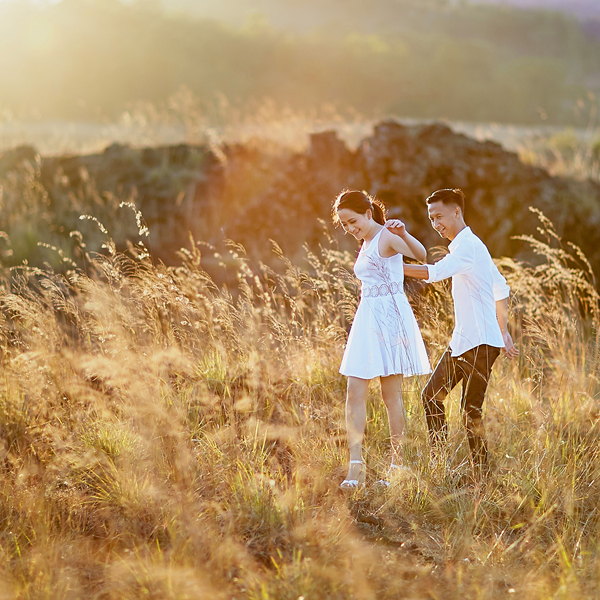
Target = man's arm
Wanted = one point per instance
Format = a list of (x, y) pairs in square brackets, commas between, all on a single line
[(501, 289), (502, 315), (416, 271), (459, 261)]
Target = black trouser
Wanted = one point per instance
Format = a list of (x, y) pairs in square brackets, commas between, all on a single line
[(473, 368)]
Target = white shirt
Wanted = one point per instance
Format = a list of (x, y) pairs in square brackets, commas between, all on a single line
[(476, 286)]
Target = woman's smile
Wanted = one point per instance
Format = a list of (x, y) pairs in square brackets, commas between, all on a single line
[(356, 224)]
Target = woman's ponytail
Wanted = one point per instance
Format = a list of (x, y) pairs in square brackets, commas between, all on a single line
[(378, 211)]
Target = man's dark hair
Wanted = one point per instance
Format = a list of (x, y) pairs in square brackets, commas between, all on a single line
[(448, 196)]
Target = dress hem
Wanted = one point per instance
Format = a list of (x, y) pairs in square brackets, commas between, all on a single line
[(386, 375)]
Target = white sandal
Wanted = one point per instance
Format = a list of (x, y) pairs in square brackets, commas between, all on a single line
[(349, 484), (393, 472)]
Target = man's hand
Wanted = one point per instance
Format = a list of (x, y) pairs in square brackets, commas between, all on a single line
[(396, 226), (509, 349)]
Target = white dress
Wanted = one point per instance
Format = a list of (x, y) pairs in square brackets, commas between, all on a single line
[(384, 338)]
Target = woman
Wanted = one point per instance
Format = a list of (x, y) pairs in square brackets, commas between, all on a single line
[(384, 340)]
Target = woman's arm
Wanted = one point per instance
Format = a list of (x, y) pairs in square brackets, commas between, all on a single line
[(402, 242)]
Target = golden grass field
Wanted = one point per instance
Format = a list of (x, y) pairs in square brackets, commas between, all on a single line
[(165, 438)]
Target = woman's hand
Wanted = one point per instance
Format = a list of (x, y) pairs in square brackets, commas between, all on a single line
[(396, 226), (402, 242)]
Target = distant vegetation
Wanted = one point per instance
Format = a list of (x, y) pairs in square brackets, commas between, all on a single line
[(90, 59)]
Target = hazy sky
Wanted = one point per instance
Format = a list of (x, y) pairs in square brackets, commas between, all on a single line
[(96, 58), (31, 1), (585, 6)]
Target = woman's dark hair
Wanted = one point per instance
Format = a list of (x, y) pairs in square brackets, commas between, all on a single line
[(359, 202), (454, 196)]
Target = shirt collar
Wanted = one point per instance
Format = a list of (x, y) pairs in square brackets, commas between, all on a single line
[(459, 236)]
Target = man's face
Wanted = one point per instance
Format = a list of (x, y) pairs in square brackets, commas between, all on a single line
[(446, 219)]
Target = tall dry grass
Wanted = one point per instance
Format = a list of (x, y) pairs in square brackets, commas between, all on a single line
[(166, 438)]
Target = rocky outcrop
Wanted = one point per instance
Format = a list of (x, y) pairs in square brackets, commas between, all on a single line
[(402, 165), (169, 185), (251, 195)]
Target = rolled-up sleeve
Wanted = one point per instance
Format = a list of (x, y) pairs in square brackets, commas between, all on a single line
[(501, 288), (459, 261)]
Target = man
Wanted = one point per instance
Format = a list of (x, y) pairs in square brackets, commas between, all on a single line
[(480, 296)]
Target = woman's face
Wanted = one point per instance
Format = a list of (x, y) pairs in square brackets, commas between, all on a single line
[(355, 223)]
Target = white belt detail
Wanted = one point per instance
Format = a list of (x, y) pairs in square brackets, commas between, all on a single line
[(385, 289)]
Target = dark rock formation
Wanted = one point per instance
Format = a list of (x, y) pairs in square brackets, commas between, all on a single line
[(171, 186), (14, 159), (402, 166), (250, 195)]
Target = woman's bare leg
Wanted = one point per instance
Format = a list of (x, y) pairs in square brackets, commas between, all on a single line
[(391, 390), (356, 421)]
